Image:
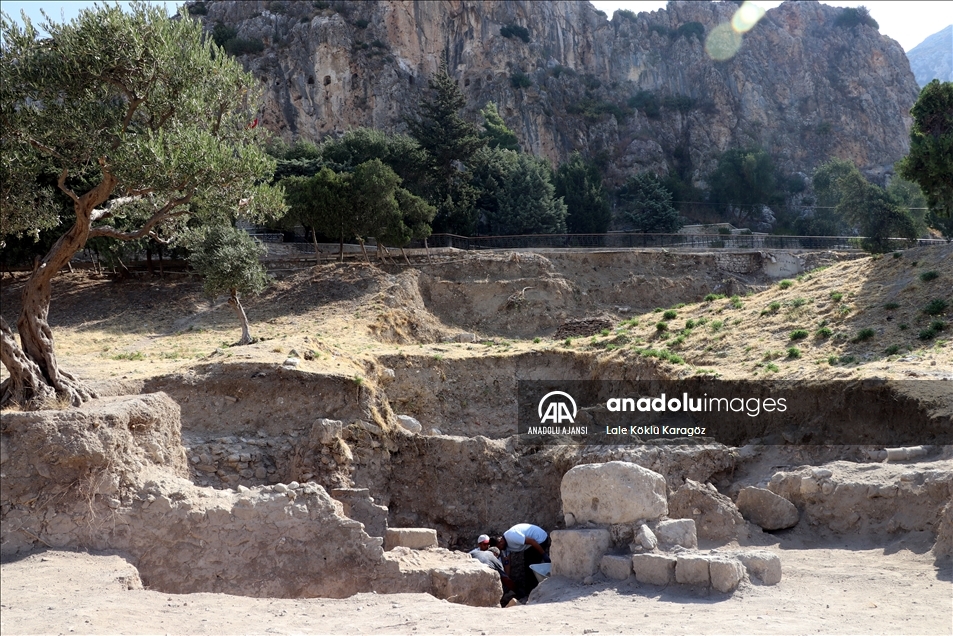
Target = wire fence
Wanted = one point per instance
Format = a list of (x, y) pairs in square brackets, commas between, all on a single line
[(675, 241)]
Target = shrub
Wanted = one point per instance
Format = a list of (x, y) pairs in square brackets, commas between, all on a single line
[(537, 340), (892, 306), (794, 353), (717, 325), (848, 359), (773, 367), (626, 14), (222, 34), (772, 308), (937, 325), (198, 8), (935, 307), (904, 326), (799, 334), (926, 277), (785, 284), (712, 297), (670, 314), (798, 302), (736, 302), (647, 102), (823, 332), (850, 17), (567, 342), (690, 30), (661, 326), (927, 334), (661, 29), (689, 324), (683, 104), (515, 31), (864, 334), (892, 349), (243, 46), (836, 296), (897, 254), (519, 79), (604, 332), (832, 360)]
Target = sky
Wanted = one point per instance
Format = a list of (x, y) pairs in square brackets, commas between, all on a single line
[(908, 22)]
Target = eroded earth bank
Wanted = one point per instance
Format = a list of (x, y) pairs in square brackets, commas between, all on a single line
[(383, 398)]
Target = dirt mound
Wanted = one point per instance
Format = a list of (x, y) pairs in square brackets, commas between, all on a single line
[(582, 328)]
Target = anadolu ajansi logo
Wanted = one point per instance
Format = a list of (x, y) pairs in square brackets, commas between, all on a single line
[(557, 407)]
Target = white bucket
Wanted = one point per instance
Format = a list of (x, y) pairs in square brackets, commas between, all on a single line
[(541, 570)]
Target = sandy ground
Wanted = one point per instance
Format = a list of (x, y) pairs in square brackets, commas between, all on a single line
[(840, 589)]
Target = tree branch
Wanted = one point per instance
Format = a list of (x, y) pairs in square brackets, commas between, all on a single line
[(161, 215), (61, 184)]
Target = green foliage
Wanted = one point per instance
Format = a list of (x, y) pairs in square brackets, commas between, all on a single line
[(198, 8), (823, 333), (670, 314), (647, 204), (874, 212), (799, 334), (850, 17), (892, 350), (891, 306), (681, 103), (712, 297), (495, 130), (450, 143), (400, 152), (516, 194), (935, 307), (625, 14), (519, 79), (836, 296), (736, 302), (930, 162), (744, 179), (927, 334), (661, 326), (660, 29), (182, 148), (243, 46), (515, 31), (362, 23), (228, 261), (864, 334), (794, 353), (785, 284), (691, 30), (222, 34), (926, 277), (647, 102), (579, 183)]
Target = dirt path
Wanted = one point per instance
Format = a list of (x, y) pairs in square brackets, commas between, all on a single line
[(842, 590)]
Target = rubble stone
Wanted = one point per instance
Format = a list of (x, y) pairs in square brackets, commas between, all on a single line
[(766, 509)]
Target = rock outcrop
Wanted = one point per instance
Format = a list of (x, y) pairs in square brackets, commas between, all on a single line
[(932, 59), (801, 86)]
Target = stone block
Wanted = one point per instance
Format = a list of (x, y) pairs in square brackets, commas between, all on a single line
[(616, 567), (654, 569), (764, 565), (416, 538), (692, 569), (325, 431), (766, 509), (612, 493), (726, 573), (577, 554), (672, 532)]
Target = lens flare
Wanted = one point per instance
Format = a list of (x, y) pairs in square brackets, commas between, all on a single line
[(746, 17), (722, 42), (725, 39)]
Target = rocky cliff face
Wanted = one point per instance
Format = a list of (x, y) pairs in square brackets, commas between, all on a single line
[(800, 86), (933, 58)]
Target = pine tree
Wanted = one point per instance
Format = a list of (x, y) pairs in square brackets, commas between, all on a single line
[(495, 130), (645, 202), (449, 141), (579, 183)]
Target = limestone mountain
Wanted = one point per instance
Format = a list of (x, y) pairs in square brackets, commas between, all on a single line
[(637, 92), (933, 58)]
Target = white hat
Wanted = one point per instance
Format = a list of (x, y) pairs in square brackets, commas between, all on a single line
[(483, 539)]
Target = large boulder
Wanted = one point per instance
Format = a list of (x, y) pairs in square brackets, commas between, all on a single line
[(766, 509), (716, 517), (577, 554), (613, 493)]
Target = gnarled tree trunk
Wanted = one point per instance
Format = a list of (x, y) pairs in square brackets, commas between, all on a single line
[(240, 312), (35, 375)]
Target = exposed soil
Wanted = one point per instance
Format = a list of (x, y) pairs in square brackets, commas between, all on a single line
[(446, 343)]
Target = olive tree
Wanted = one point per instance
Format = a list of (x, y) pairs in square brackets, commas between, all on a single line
[(137, 117), (229, 261)]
